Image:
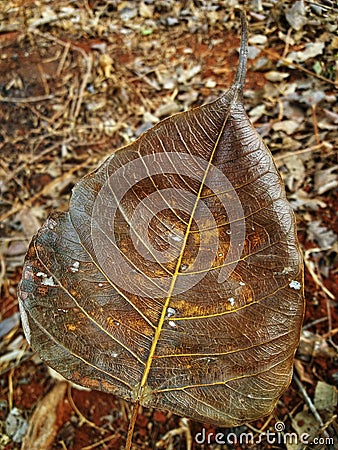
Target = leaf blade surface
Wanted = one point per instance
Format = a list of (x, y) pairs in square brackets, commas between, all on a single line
[(175, 279)]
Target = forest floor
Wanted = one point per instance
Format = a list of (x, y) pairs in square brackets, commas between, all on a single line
[(79, 80)]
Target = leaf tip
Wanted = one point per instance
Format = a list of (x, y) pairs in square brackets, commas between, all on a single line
[(240, 76)]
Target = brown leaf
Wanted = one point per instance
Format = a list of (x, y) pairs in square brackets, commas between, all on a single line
[(175, 280), (303, 375)]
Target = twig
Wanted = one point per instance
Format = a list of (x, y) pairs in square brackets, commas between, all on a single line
[(63, 445), (43, 78), (311, 406), (38, 98), (102, 441), (323, 426), (89, 61), (287, 42), (315, 123), (87, 57), (262, 428), (185, 426), (300, 152), (308, 401), (2, 270), (294, 409), (309, 265), (292, 64), (315, 322), (36, 158), (51, 18), (10, 389), (55, 116), (329, 334), (17, 364), (63, 59), (82, 418), (44, 191), (183, 429)]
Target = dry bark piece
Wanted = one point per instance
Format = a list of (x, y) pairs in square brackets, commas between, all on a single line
[(175, 280), (44, 425)]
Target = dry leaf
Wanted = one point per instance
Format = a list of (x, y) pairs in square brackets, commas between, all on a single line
[(296, 15), (288, 126), (303, 375), (325, 397), (311, 50), (175, 280), (295, 175), (320, 234), (306, 425)]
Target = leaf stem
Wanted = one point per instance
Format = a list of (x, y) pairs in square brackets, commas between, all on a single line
[(132, 425)]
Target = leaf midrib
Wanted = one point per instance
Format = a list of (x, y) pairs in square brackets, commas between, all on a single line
[(148, 365)]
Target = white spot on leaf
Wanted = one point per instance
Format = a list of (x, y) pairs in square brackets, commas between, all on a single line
[(51, 224), (48, 281), (175, 237), (75, 267), (231, 300), (172, 324), (295, 285), (171, 312), (41, 274)]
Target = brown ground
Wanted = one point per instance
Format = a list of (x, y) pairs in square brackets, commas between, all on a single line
[(80, 79)]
